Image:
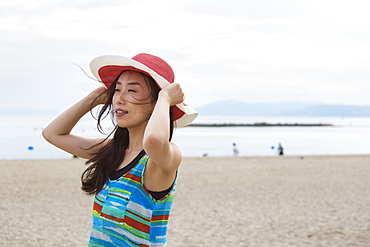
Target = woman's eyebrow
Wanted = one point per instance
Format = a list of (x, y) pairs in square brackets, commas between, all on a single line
[(133, 83)]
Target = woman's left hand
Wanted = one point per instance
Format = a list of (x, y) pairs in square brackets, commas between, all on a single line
[(174, 93)]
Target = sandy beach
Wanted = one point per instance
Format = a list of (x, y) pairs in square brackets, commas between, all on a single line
[(242, 201)]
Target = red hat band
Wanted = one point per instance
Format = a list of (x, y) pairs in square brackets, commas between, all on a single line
[(157, 64)]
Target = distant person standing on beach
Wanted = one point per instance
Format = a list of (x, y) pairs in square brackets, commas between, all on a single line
[(235, 150), (280, 149), (133, 173)]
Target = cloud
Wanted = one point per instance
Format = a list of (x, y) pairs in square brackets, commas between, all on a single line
[(255, 51)]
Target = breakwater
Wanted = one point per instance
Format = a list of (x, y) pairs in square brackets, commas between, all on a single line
[(259, 125)]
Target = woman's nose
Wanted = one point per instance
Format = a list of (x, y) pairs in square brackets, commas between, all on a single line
[(120, 100)]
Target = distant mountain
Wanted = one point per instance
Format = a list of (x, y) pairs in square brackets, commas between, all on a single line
[(332, 111), (237, 108)]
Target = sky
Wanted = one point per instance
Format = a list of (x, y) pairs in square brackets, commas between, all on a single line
[(252, 51)]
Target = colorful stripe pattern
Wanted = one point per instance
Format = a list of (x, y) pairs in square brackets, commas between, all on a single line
[(125, 214)]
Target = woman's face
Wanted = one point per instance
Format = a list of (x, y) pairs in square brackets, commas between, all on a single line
[(132, 100)]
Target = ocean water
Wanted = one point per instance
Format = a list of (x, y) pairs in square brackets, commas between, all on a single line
[(21, 137)]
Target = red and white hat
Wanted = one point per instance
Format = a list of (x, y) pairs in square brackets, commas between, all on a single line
[(108, 67)]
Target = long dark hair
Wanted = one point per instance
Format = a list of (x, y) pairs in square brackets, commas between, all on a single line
[(111, 155)]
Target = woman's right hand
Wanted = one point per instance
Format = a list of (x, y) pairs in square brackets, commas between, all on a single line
[(99, 95)]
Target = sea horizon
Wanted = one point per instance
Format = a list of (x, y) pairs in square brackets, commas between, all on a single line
[(21, 137)]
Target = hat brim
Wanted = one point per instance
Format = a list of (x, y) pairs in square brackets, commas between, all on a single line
[(108, 67)]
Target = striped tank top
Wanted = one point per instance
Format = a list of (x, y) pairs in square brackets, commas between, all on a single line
[(125, 214)]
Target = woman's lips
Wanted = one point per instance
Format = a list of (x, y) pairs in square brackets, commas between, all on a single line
[(120, 112)]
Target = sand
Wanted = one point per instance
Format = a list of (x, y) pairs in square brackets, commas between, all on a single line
[(242, 201)]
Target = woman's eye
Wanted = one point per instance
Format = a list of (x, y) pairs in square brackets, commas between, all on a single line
[(116, 90), (131, 91)]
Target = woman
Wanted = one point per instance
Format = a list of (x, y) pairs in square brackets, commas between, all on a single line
[(133, 174)]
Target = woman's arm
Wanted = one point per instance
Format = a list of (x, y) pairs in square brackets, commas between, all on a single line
[(58, 131), (165, 155)]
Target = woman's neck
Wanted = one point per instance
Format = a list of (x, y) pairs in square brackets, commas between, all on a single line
[(136, 136)]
